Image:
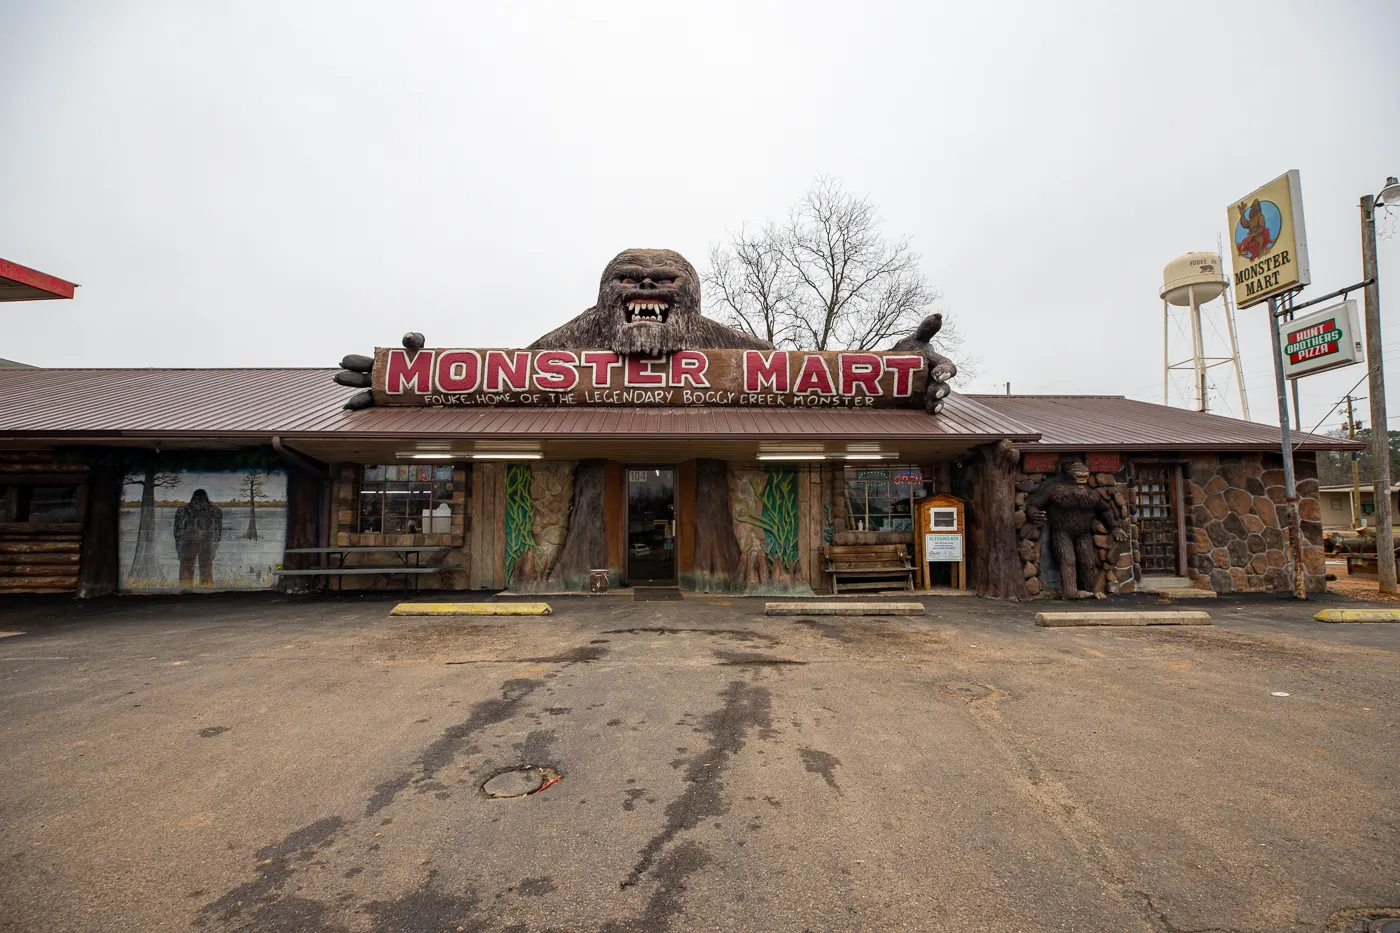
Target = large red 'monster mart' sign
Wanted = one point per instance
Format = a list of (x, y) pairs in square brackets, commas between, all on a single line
[(773, 378)]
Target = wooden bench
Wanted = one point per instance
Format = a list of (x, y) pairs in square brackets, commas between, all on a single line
[(873, 566), (403, 568)]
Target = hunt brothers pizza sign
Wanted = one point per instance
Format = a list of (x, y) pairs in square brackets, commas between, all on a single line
[(769, 378)]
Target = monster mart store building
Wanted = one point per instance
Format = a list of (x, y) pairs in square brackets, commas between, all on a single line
[(187, 480), (641, 439)]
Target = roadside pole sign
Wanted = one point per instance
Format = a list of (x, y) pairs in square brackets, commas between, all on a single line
[(1269, 251), (1321, 341)]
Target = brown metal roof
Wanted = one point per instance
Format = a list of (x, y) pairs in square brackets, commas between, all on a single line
[(1115, 423), (304, 403), (251, 405)]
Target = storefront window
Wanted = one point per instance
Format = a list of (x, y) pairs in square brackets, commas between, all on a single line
[(39, 504), (882, 498), (409, 498)]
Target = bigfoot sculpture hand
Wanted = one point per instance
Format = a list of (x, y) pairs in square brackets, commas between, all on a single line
[(940, 368), (357, 371), (1071, 508)]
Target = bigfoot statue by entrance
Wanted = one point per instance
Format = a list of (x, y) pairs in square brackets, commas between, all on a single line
[(649, 305), (1071, 507)]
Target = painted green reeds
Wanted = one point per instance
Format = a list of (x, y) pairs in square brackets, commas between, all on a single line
[(520, 515), (778, 515)]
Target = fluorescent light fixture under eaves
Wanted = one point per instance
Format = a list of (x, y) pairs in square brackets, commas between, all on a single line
[(869, 456), (792, 456), (469, 455)]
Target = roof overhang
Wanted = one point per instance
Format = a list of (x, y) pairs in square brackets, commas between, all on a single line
[(1311, 444), (21, 283)]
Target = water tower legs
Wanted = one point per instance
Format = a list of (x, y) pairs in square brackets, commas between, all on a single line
[(1235, 352), (1198, 348)]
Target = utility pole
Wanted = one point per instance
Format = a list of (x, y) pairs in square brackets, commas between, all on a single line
[(1355, 470), (1380, 435)]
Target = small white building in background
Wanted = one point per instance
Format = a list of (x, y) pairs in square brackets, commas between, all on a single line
[(1336, 505)]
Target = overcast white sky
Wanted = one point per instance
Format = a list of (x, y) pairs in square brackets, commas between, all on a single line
[(271, 184)]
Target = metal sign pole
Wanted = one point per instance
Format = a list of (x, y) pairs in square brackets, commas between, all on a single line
[(1290, 487)]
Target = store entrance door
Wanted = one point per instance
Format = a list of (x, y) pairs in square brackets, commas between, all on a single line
[(651, 525), (1157, 519)]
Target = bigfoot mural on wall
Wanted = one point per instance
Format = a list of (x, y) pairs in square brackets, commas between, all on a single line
[(199, 526), (649, 305), (1071, 507), (187, 530)]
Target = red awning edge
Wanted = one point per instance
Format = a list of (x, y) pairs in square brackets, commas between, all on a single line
[(21, 283)]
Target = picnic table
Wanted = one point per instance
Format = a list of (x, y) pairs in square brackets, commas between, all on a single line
[(403, 567)]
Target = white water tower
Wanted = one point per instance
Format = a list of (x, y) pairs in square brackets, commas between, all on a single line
[(1188, 282)]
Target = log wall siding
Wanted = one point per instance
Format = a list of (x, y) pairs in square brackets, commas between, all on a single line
[(41, 557), (488, 526), (810, 523)]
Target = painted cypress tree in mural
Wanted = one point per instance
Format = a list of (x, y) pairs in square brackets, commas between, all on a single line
[(253, 487), (144, 565)]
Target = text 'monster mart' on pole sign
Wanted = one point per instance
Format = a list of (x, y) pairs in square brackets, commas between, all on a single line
[(1268, 243), (1326, 339), (727, 378)]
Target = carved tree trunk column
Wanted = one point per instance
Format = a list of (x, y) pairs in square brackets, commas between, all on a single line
[(98, 572), (585, 547), (998, 564), (716, 550), (303, 529)]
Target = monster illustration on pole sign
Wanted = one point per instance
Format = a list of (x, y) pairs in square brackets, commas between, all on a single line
[(646, 329), (1071, 506)]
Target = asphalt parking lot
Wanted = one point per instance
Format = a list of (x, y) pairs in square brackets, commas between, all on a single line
[(267, 764)]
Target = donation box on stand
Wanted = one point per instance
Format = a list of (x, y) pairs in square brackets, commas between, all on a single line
[(940, 537)]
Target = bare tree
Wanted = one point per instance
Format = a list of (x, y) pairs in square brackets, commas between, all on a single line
[(751, 286), (827, 279)]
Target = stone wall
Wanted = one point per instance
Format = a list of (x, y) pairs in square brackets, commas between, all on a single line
[(1237, 523), (1116, 563), (1236, 526)]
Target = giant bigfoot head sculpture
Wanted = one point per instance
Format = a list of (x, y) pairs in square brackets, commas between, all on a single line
[(648, 305), (652, 299)]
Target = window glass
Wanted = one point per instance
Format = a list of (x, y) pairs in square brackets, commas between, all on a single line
[(882, 498), (53, 504), (405, 498), (39, 504)]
